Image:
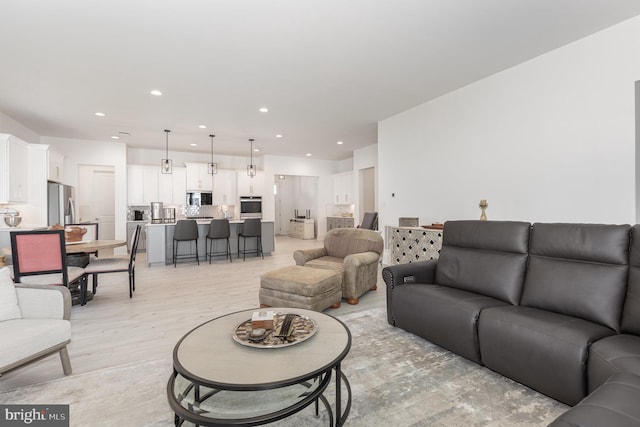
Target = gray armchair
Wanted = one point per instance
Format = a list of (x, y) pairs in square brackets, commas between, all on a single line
[(354, 252)]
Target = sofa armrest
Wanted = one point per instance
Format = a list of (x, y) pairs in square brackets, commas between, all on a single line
[(302, 256), (415, 272), (362, 258), (398, 275), (44, 301)]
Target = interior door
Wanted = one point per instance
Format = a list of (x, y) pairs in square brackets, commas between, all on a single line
[(96, 198)]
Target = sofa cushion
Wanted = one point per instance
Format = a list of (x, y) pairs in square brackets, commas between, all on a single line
[(613, 404), (611, 355), (579, 270), (9, 308), (327, 262), (31, 336), (485, 257), (543, 350), (445, 316)]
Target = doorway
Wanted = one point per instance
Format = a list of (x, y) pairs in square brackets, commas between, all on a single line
[(96, 198), (294, 193), (367, 191)]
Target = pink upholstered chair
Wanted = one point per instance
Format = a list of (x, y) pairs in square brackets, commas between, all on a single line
[(39, 258)]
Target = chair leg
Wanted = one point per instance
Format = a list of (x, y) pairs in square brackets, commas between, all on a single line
[(197, 255), (83, 289), (66, 362), (130, 285), (175, 243), (210, 249), (260, 244), (229, 250), (94, 281)]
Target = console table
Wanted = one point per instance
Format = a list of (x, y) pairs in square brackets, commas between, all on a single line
[(411, 244)]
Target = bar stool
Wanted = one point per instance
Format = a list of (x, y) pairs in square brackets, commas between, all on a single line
[(252, 227), (218, 229), (186, 230)]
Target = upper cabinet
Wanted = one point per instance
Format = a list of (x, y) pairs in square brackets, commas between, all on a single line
[(248, 186), (142, 184), (224, 187), (54, 165), (172, 188), (198, 177), (343, 188), (14, 168)]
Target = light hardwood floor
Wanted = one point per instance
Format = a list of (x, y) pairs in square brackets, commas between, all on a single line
[(114, 330)]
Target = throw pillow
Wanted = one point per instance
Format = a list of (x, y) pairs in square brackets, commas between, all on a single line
[(9, 308)]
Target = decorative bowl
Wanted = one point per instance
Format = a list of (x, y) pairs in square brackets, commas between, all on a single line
[(12, 220)]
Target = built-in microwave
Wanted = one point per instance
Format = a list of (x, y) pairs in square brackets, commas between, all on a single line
[(250, 207), (199, 198)]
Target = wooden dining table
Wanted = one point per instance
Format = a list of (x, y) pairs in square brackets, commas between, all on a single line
[(89, 246)]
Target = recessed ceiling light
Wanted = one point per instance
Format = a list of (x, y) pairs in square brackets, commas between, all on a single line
[(339, 142), (156, 92), (193, 145), (115, 137), (263, 110), (202, 126), (256, 150), (279, 135), (121, 132), (308, 154), (99, 114)]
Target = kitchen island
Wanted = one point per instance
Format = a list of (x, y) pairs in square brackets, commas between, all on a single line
[(160, 241)]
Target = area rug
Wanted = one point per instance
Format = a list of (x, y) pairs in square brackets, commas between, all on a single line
[(397, 379)]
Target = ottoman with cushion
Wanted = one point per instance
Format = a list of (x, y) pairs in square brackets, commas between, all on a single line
[(301, 287)]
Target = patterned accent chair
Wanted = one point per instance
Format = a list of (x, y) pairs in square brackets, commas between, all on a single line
[(354, 252)]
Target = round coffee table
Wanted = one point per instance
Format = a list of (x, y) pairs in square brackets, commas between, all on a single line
[(217, 381)]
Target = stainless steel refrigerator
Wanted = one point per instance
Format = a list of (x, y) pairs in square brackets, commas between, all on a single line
[(61, 204)]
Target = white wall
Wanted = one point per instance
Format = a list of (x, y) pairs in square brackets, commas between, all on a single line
[(548, 140), (364, 158), (82, 152), (15, 128), (141, 156)]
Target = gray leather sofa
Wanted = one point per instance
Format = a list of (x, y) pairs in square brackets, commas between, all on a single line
[(553, 306)]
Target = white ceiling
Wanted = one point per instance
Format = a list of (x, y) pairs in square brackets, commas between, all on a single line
[(328, 70)]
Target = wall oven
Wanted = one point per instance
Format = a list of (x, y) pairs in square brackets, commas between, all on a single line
[(250, 207)]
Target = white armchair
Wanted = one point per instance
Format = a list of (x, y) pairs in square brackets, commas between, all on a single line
[(34, 323)]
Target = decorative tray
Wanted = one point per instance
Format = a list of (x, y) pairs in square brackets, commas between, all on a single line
[(302, 329)]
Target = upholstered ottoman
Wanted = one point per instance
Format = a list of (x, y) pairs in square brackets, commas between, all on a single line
[(301, 287)]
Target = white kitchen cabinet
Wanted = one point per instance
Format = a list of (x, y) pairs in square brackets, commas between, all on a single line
[(142, 184), (55, 162), (172, 186), (248, 186), (198, 177), (14, 167), (343, 188), (224, 187), (179, 185)]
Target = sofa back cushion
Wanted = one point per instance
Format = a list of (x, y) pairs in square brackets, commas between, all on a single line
[(9, 308), (341, 242), (631, 311), (579, 270), (485, 257)]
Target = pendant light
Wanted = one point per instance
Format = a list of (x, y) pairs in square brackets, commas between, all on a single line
[(166, 165), (213, 167), (251, 168)]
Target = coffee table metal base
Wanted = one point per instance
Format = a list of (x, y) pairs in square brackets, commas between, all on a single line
[(204, 406)]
